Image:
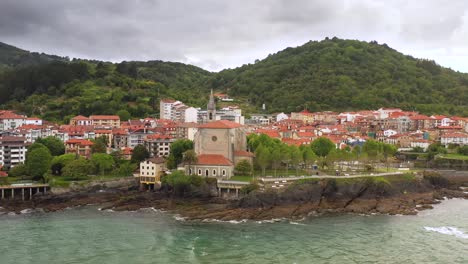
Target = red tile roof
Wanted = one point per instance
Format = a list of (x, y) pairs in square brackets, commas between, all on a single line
[(10, 115), (158, 136), (454, 135), (305, 134), (127, 151), (80, 117), (270, 133), (213, 159), (103, 131), (221, 124)]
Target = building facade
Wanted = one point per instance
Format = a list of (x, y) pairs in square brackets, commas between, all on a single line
[(12, 151)]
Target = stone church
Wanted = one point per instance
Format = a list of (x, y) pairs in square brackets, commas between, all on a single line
[(219, 146)]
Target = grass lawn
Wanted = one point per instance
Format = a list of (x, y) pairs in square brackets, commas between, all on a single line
[(453, 156), (281, 173), (241, 178), (60, 181)]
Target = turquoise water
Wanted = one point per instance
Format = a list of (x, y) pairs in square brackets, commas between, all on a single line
[(87, 235)]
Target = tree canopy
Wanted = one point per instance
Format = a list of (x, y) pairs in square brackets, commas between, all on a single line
[(55, 145)]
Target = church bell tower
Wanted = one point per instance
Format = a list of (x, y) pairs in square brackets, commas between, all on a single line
[(211, 113)]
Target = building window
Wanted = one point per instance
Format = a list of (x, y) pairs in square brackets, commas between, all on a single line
[(199, 172), (214, 138), (190, 172), (224, 172), (206, 173), (214, 172)]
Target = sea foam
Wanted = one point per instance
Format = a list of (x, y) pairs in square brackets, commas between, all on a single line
[(448, 230)]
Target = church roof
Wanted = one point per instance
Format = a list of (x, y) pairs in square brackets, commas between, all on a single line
[(213, 159), (221, 124)]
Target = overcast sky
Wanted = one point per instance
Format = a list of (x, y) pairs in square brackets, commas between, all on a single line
[(217, 34)]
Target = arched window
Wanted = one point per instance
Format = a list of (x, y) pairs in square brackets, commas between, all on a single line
[(224, 172), (214, 172), (190, 172), (207, 172), (199, 172)]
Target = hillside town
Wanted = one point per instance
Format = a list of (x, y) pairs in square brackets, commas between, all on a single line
[(219, 135)]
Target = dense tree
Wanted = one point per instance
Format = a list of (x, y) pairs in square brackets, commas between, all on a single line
[(322, 146), (243, 167), (100, 145), (463, 150), (125, 169), (55, 145), (19, 170), (103, 163), (38, 162), (77, 169), (124, 115), (189, 157), (178, 181), (139, 154), (308, 156), (59, 162), (178, 148), (296, 157), (262, 157)]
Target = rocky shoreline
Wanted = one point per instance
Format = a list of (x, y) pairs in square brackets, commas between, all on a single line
[(360, 197)]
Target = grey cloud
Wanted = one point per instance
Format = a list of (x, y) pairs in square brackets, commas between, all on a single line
[(217, 34)]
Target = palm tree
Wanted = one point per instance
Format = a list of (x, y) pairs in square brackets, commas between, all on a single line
[(190, 157)]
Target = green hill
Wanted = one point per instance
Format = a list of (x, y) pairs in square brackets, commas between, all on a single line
[(57, 90), (11, 56), (332, 74), (336, 74)]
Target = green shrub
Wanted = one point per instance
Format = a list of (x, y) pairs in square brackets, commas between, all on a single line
[(249, 188)]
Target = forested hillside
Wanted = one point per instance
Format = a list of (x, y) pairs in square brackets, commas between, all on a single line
[(11, 56), (59, 89), (336, 74), (332, 74)]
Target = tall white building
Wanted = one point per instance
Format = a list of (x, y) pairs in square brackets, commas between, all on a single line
[(166, 108), (12, 151), (177, 111)]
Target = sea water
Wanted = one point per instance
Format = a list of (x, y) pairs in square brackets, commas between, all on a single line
[(88, 235)]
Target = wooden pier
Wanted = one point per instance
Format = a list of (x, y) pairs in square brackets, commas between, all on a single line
[(25, 191)]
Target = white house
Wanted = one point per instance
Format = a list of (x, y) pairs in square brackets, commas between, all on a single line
[(454, 138), (281, 116), (422, 143), (191, 115), (33, 121), (10, 120), (385, 112), (389, 132)]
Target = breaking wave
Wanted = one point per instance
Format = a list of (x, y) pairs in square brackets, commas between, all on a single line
[(447, 230)]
